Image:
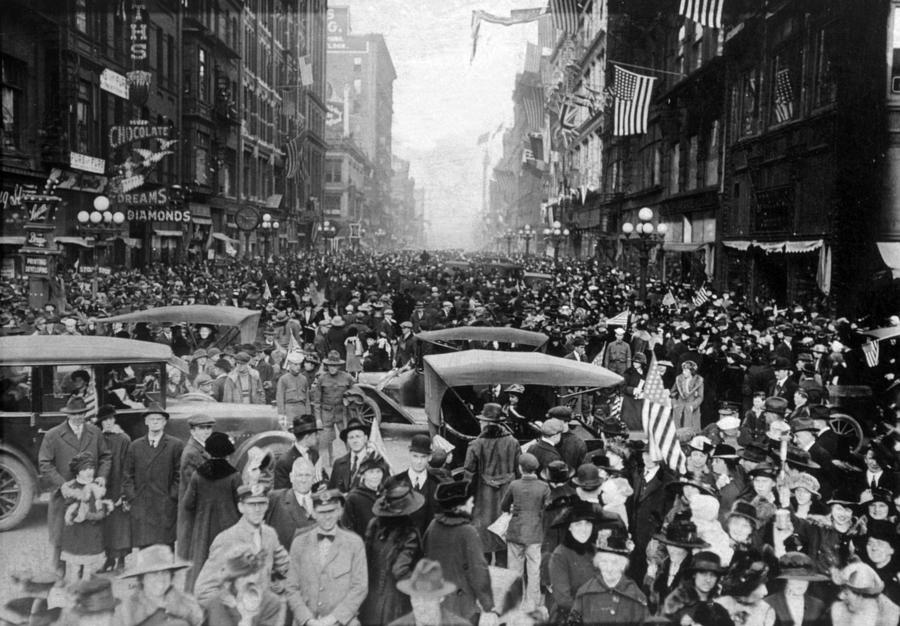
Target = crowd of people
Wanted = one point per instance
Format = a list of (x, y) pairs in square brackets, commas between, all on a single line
[(774, 518)]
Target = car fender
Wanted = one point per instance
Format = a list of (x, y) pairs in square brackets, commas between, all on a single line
[(275, 440), (21, 457)]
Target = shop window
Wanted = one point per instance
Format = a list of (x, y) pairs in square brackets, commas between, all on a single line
[(745, 101), (12, 88), (824, 88)]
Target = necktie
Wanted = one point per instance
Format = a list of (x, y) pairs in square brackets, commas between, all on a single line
[(353, 465), (257, 540), (874, 482)]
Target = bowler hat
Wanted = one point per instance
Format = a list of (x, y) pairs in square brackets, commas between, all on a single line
[(426, 581), (557, 472), (154, 409), (93, 595), (304, 424), (781, 363), (155, 558), (353, 424), (588, 477), (798, 566), (75, 406), (105, 412), (491, 412), (452, 493), (420, 444), (219, 445), (398, 499)]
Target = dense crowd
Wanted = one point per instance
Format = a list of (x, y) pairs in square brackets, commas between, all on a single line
[(547, 516)]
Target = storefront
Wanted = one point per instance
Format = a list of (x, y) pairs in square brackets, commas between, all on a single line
[(783, 271)]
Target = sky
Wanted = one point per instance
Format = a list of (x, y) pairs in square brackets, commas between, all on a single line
[(442, 103)]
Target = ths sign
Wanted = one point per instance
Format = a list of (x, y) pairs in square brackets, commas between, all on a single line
[(158, 215)]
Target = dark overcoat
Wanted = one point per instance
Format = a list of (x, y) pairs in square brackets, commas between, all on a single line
[(599, 604), (492, 461), (631, 406), (393, 547), (358, 510), (151, 487), (286, 516), (422, 518), (57, 450), (192, 457), (117, 525)]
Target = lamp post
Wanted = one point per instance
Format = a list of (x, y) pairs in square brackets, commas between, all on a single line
[(328, 232), (100, 222), (269, 226), (527, 234), (644, 234), (556, 234), (509, 235)]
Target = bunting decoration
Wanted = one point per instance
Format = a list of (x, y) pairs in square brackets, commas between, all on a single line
[(707, 13), (565, 15), (702, 296), (872, 353), (632, 94), (533, 101)]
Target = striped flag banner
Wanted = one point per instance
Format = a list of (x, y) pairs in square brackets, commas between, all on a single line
[(702, 296), (784, 96), (632, 94), (533, 100), (615, 407), (90, 397), (565, 15), (705, 12), (547, 34), (532, 58), (656, 418), (294, 157), (618, 320), (872, 352)]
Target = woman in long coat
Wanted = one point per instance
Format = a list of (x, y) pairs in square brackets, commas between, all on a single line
[(393, 546), (631, 400), (361, 499), (116, 526), (687, 396), (209, 505), (492, 460)]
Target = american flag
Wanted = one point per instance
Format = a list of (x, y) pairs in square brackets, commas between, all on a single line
[(565, 15), (532, 58), (656, 418), (632, 93), (618, 320), (702, 296), (533, 100), (567, 115), (615, 407), (872, 352), (294, 151), (784, 96), (705, 12), (547, 33)]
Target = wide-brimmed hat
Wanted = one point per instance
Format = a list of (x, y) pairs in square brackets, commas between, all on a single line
[(701, 443), (304, 424), (156, 558), (706, 561), (515, 388), (491, 412), (845, 496), (615, 540), (333, 358), (862, 579), (692, 482), (75, 406), (93, 595), (154, 408), (613, 426), (775, 404), (753, 453), (681, 532), (724, 451), (806, 481), (242, 561), (745, 574), (353, 424), (557, 472), (764, 469), (800, 458), (337, 321), (219, 445), (740, 508), (800, 424), (398, 499), (426, 581), (452, 493), (798, 566), (587, 477)]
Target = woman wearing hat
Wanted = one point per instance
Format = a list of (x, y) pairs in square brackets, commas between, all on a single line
[(805, 496), (687, 396), (244, 598), (512, 412), (209, 504), (793, 604), (358, 510), (633, 384), (668, 566), (830, 538), (571, 562), (610, 597), (861, 599), (744, 590), (393, 546), (699, 584), (155, 598), (880, 551)]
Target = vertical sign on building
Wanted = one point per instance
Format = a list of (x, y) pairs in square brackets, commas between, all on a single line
[(338, 27), (139, 46)]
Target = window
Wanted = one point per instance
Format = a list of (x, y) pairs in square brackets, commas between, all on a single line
[(675, 169), (332, 204), (84, 117), (333, 170), (682, 49), (201, 159), (824, 89), (711, 161), (692, 162), (12, 86), (202, 76), (80, 16), (745, 105), (787, 75)]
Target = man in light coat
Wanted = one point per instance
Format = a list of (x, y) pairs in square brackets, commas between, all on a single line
[(328, 577)]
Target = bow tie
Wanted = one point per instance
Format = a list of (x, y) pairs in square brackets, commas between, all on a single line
[(323, 536)]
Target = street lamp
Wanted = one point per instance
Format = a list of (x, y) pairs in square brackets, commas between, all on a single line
[(526, 233), (269, 227), (556, 234), (509, 235), (644, 234), (100, 222), (328, 232)]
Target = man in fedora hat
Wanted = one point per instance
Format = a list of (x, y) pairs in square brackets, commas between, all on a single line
[(290, 509), (327, 395), (243, 384), (306, 438), (793, 604), (250, 530), (151, 485), (345, 469), (60, 445), (427, 589), (328, 577), (783, 386), (420, 477)]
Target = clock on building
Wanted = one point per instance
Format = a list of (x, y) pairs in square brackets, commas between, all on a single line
[(247, 218)]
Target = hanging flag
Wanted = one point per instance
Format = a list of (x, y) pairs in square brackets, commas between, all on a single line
[(872, 353), (702, 296), (294, 163), (547, 34), (518, 16), (533, 101), (656, 418), (377, 442), (618, 320), (565, 15), (705, 12), (784, 96), (633, 93), (483, 139), (669, 299), (532, 58), (267, 293)]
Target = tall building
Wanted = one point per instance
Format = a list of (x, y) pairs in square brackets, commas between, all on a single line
[(360, 101)]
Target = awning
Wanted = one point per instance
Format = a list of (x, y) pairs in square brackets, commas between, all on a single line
[(223, 237), (75, 241), (802, 246), (790, 247), (738, 244), (274, 201), (132, 242), (199, 209), (12, 240), (168, 233), (204, 221), (678, 246)]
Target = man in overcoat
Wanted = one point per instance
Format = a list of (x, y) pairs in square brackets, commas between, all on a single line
[(152, 473), (328, 577), (60, 445), (290, 509), (194, 453), (345, 470), (648, 507), (418, 476), (306, 437)]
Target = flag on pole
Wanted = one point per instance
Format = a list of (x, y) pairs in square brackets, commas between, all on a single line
[(705, 12), (784, 96), (632, 93), (377, 442), (618, 320), (872, 353), (267, 293), (294, 157), (702, 296), (293, 347), (565, 15), (669, 299), (656, 418)]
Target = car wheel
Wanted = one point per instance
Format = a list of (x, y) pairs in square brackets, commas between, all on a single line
[(17, 488), (369, 412), (847, 427)]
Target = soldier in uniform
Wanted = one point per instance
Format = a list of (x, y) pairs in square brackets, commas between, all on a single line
[(292, 391), (328, 394), (618, 354), (405, 343)]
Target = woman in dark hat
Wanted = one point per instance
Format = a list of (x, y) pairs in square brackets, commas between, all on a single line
[(361, 499), (393, 546), (209, 504), (699, 583), (571, 562), (244, 598), (609, 596), (793, 604), (116, 526), (830, 538), (744, 590), (880, 551), (678, 540)]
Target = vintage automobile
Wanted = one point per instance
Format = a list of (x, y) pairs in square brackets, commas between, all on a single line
[(399, 395), (35, 374), (452, 382), (232, 324)]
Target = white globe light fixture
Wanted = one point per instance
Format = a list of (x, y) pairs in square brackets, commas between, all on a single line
[(83, 217), (645, 214), (96, 217), (627, 228), (101, 203)]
